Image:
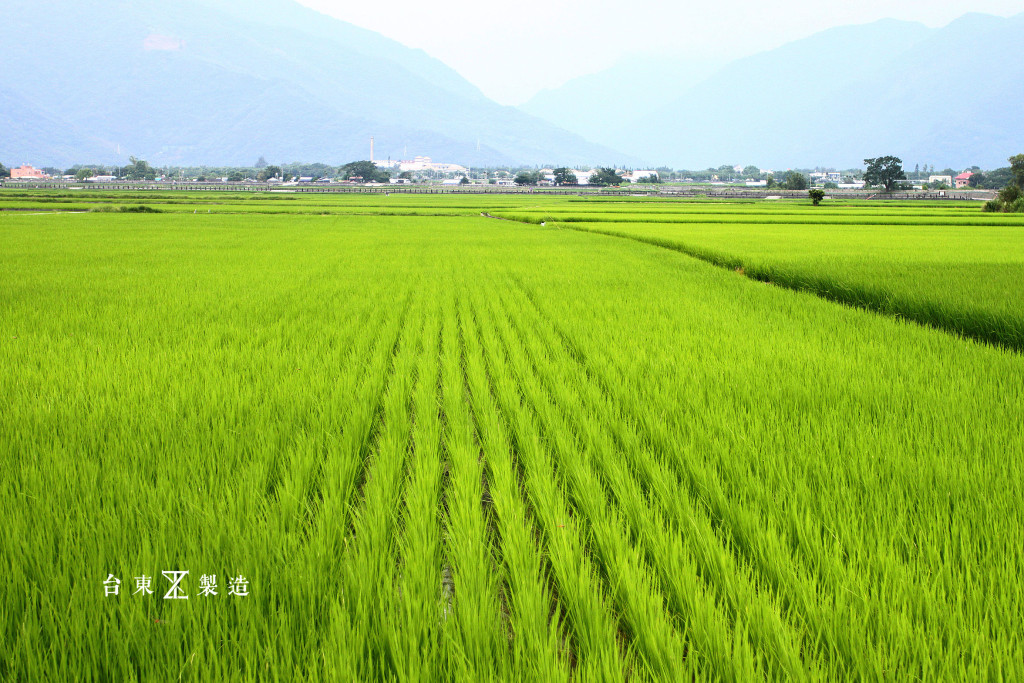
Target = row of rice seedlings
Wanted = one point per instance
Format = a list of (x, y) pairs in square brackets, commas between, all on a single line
[(415, 631), (219, 489), (667, 468), (360, 400), (595, 644), (294, 488), (535, 620), (695, 570), (369, 562), (474, 624), (753, 534), (635, 590), (899, 649)]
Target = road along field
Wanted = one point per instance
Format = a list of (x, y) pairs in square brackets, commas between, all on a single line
[(457, 448)]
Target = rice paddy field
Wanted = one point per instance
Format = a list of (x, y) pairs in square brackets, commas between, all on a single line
[(598, 440)]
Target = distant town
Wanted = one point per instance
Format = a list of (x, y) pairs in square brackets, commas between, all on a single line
[(423, 170)]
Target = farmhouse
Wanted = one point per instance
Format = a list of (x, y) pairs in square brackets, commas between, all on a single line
[(27, 172), (962, 180)]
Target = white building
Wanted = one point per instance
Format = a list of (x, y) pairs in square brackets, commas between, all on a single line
[(637, 176), (583, 177), (826, 177), (422, 164)]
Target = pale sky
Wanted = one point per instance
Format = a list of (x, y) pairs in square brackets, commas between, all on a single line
[(513, 49)]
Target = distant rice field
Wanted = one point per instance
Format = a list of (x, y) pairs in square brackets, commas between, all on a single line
[(404, 440)]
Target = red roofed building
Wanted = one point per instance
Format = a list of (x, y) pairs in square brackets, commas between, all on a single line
[(28, 173), (962, 180)]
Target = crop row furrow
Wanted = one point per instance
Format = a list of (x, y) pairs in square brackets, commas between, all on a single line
[(415, 633), (636, 592), (806, 563), (695, 569), (368, 565), (294, 482), (535, 618), (475, 632), (669, 458), (595, 628)]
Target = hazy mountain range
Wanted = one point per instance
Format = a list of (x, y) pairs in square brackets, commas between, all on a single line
[(223, 83), (951, 96)]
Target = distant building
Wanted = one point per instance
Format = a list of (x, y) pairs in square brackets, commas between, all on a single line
[(637, 176), (422, 164), (26, 172), (583, 177), (944, 179), (962, 180), (826, 177)]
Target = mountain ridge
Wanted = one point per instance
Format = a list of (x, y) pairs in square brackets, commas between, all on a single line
[(944, 96), (189, 83)]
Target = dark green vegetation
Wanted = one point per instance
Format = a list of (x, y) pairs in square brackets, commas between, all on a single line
[(1011, 197), (884, 171), (445, 447)]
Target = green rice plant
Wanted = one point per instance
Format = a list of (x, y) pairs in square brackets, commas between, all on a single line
[(447, 447), (963, 280)]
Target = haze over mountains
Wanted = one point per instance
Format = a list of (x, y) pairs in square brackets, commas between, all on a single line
[(950, 96), (222, 83)]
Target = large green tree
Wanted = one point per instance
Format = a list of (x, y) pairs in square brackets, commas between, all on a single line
[(565, 176), (605, 176), (885, 171), (268, 172), (367, 170), (527, 178), (1017, 169), (4, 172), (795, 180), (139, 170)]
